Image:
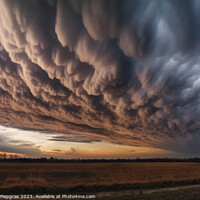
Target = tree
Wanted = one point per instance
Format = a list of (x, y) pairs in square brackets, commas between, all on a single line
[(11, 156), (4, 156)]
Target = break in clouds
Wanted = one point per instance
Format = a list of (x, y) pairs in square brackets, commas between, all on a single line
[(123, 71)]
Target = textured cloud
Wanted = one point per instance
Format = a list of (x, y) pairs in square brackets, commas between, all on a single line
[(123, 71)]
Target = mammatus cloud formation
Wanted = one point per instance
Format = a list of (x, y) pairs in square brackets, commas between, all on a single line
[(124, 71)]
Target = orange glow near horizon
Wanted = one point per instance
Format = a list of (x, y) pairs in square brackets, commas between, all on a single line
[(9, 154)]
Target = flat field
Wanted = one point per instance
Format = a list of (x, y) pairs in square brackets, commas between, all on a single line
[(95, 177), (95, 174)]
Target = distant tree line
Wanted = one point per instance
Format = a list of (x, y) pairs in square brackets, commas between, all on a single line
[(4, 156), (14, 158)]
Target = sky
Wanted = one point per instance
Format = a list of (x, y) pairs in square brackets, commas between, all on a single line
[(33, 144), (100, 79)]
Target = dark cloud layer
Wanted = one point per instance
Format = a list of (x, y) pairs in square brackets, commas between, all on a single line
[(124, 71)]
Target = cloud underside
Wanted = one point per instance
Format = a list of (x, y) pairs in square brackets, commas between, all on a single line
[(120, 71)]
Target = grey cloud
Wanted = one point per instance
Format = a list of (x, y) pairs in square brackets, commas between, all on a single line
[(23, 143), (56, 150), (72, 152), (121, 71), (19, 147), (72, 138)]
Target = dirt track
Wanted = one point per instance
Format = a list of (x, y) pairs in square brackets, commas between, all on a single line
[(145, 191)]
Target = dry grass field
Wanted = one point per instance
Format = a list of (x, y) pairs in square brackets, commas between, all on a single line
[(69, 175)]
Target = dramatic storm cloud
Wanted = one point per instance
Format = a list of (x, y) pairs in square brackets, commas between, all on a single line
[(123, 71)]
